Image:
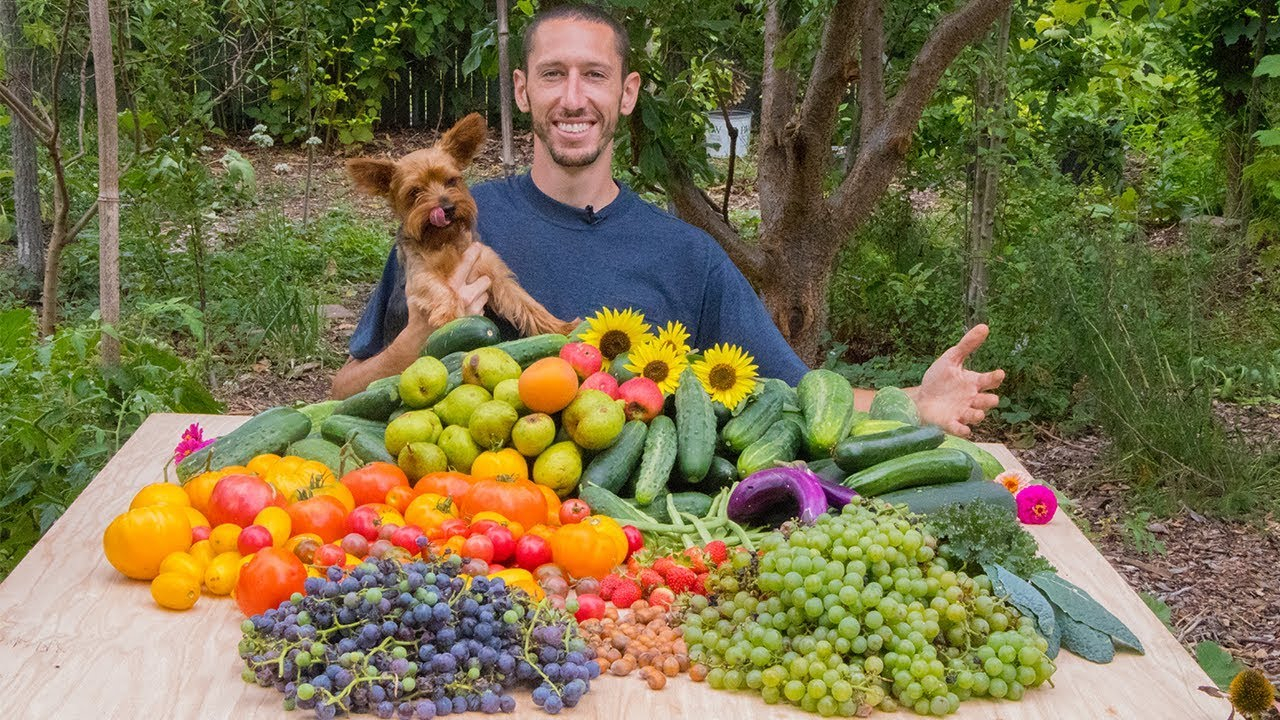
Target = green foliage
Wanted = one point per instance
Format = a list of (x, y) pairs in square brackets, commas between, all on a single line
[(1217, 663), (65, 416), (1082, 608), (979, 534), (1144, 541)]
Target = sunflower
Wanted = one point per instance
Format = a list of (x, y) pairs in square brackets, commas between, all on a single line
[(613, 332), (660, 363), (728, 374), (675, 335)]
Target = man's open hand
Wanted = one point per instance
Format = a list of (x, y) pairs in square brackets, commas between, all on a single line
[(953, 397)]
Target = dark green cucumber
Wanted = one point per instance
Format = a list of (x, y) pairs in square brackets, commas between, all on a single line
[(827, 469), (526, 350), (318, 449), (927, 467), (658, 459), (826, 399), (270, 431), (611, 468), (695, 428), (375, 402), (337, 428), (603, 502), (761, 410), (722, 474), (862, 451), (656, 509), (461, 334), (695, 503), (932, 498), (368, 447), (780, 443)]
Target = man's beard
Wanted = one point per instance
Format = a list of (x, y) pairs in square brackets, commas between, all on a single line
[(543, 129)]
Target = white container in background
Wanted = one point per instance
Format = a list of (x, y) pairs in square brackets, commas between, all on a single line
[(718, 135)]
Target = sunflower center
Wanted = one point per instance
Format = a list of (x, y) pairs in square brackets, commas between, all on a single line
[(722, 377), (657, 371), (613, 343)]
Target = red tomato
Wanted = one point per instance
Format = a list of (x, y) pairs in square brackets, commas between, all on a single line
[(481, 527), (369, 519), (573, 510), (356, 544), (407, 538), (329, 555), (589, 607), (239, 498), (371, 483), (451, 484), (504, 544), (268, 580), (635, 539), (532, 551), (479, 547), (200, 532), (323, 515), (252, 539), (455, 526)]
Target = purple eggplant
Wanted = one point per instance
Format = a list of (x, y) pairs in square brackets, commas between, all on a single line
[(837, 495), (795, 491)]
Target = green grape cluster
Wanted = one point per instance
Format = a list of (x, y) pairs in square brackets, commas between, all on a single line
[(855, 610)]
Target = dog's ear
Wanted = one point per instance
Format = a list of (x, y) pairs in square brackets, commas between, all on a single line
[(372, 175), (464, 140)]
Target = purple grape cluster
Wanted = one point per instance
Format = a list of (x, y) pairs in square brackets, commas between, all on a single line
[(415, 641)]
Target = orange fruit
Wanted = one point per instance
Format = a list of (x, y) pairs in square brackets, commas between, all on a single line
[(548, 385)]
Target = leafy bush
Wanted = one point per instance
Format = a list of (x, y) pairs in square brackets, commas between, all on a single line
[(65, 416)]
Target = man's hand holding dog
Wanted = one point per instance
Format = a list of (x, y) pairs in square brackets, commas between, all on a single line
[(472, 292)]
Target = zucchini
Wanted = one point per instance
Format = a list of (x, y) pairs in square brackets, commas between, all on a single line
[(695, 503), (658, 459), (603, 502), (826, 399), (891, 403), (695, 428), (337, 429), (761, 411), (270, 431), (375, 402), (526, 350), (862, 451), (319, 449), (461, 334), (991, 467), (611, 468), (932, 498), (927, 467), (780, 443)]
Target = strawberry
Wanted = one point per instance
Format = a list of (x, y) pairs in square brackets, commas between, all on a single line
[(680, 579), (696, 560), (662, 565), (610, 583), (700, 584), (626, 593), (717, 551), (661, 597), (650, 579), (633, 566)]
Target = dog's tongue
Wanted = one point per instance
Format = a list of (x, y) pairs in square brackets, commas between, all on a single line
[(437, 217)]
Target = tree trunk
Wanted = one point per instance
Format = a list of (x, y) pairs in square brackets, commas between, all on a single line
[(1233, 159), (1253, 110), (57, 240), (505, 91), (795, 289), (988, 119), (26, 181), (104, 80)]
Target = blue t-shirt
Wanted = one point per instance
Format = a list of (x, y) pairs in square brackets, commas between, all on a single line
[(628, 254)]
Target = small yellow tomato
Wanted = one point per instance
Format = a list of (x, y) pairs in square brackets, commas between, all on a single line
[(203, 553), (277, 522), (161, 493), (507, 461), (224, 537), (520, 578), (175, 590), (196, 517), (223, 572), (184, 563)]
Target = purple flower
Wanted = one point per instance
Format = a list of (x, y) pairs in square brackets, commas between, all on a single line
[(192, 440), (1036, 504)]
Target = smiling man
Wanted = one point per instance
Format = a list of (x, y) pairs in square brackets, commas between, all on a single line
[(578, 240)]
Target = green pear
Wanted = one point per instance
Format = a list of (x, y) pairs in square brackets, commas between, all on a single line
[(533, 433), (459, 447), (424, 382), (421, 458), (488, 366), (457, 406), (593, 420), (412, 426), (491, 424), (559, 467), (508, 391)]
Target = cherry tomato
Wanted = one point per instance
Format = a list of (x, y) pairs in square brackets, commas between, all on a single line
[(635, 539), (454, 527), (479, 547), (407, 538), (533, 551), (269, 579), (481, 527), (573, 510), (199, 533), (356, 544), (589, 607), (252, 539), (504, 544), (369, 519), (371, 483), (328, 554)]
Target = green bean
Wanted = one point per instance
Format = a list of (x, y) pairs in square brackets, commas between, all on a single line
[(742, 534), (674, 512), (697, 525)]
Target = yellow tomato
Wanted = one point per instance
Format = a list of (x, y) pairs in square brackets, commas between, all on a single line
[(183, 563), (520, 578), (203, 553), (224, 537), (297, 477), (612, 529), (541, 531), (174, 590), (507, 461), (196, 518), (223, 572), (136, 542), (161, 493), (340, 491), (262, 463), (429, 510), (277, 522)]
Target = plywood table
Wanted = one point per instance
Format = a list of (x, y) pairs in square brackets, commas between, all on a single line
[(78, 640)]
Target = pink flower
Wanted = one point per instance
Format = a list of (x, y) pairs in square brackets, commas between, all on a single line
[(192, 440), (1036, 504)]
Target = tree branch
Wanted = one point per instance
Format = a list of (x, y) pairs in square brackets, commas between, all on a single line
[(84, 69), (26, 114), (830, 77), (699, 210), (57, 66), (871, 82), (778, 98)]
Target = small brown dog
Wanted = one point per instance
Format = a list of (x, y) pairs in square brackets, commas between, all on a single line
[(438, 217)]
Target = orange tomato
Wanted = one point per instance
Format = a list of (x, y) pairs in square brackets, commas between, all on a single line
[(400, 496), (453, 484), (588, 548), (553, 505), (429, 510), (507, 461), (269, 579), (541, 531), (260, 464), (339, 492), (371, 483), (322, 515), (514, 498)]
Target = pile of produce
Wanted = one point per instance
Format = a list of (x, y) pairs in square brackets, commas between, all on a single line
[(540, 511)]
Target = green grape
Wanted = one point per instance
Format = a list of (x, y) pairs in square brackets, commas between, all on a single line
[(715, 678), (827, 706), (816, 688), (770, 695), (998, 688), (733, 679), (1007, 654), (793, 690)]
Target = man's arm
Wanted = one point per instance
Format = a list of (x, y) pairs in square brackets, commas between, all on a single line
[(400, 354)]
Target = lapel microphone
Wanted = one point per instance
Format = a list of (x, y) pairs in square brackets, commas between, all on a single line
[(591, 215)]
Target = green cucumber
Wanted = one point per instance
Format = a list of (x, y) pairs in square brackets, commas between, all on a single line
[(461, 334), (611, 468), (862, 451), (991, 467), (762, 410), (891, 403), (826, 399), (695, 503), (870, 427), (527, 350), (270, 431), (658, 459), (780, 443), (657, 509), (375, 402), (722, 474), (368, 447), (603, 502), (827, 469), (317, 412), (318, 449), (695, 428), (337, 428), (932, 498), (927, 467)]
